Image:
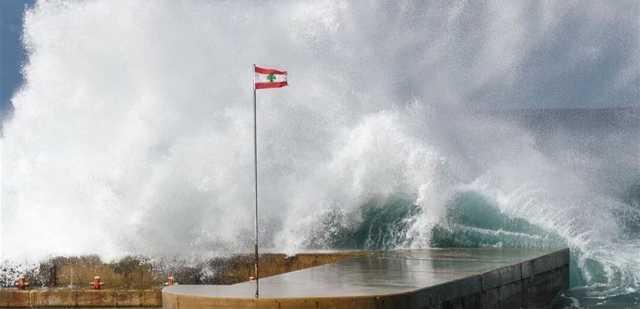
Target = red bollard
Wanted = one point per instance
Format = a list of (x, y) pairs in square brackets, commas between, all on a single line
[(22, 283), (170, 281), (97, 283)]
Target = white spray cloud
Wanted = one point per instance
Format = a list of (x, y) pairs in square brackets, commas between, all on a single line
[(133, 132)]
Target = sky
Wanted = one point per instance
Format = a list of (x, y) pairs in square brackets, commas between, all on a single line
[(12, 53)]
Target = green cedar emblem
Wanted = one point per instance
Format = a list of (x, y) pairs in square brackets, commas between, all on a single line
[(271, 77)]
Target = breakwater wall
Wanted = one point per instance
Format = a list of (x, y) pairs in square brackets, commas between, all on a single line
[(68, 298), (410, 279), (137, 282)]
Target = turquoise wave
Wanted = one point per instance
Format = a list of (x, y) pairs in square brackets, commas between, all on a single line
[(472, 220)]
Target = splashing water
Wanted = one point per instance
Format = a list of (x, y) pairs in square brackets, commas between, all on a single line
[(132, 133)]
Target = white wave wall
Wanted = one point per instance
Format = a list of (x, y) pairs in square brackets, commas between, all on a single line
[(133, 131)]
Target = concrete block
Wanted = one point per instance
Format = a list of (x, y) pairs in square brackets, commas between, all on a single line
[(550, 261), (541, 296), (95, 298), (169, 301), (16, 298), (383, 302), (544, 287), (152, 298), (546, 278), (472, 301), (59, 297), (510, 295), (501, 276), (490, 298), (455, 289), (417, 299), (183, 302), (4, 297), (453, 304), (128, 297), (367, 302), (508, 290), (298, 303), (426, 298), (399, 300), (526, 269), (439, 294), (319, 303), (562, 278)]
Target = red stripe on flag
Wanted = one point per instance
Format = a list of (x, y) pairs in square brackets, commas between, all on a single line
[(269, 71), (271, 85)]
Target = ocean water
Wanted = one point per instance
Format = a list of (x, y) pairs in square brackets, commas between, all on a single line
[(407, 124), (604, 271)]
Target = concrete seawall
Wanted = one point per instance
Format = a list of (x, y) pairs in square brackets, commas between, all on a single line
[(133, 282), (436, 278), (68, 298), (139, 273)]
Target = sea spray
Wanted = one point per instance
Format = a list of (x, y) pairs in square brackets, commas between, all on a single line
[(132, 133)]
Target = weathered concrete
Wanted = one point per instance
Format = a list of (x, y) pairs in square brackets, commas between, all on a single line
[(131, 282), (65, 297), (437, 278)]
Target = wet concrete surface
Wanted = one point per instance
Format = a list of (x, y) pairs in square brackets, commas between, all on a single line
[(375, 274)]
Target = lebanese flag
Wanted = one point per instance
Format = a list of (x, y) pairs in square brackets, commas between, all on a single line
[(266, 78)]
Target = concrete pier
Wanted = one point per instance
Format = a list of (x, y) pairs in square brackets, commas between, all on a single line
[(432, 278)]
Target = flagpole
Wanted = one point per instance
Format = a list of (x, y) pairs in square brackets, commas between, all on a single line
[(255, 174)]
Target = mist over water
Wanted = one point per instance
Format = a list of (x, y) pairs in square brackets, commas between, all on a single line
[(133, 131)]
